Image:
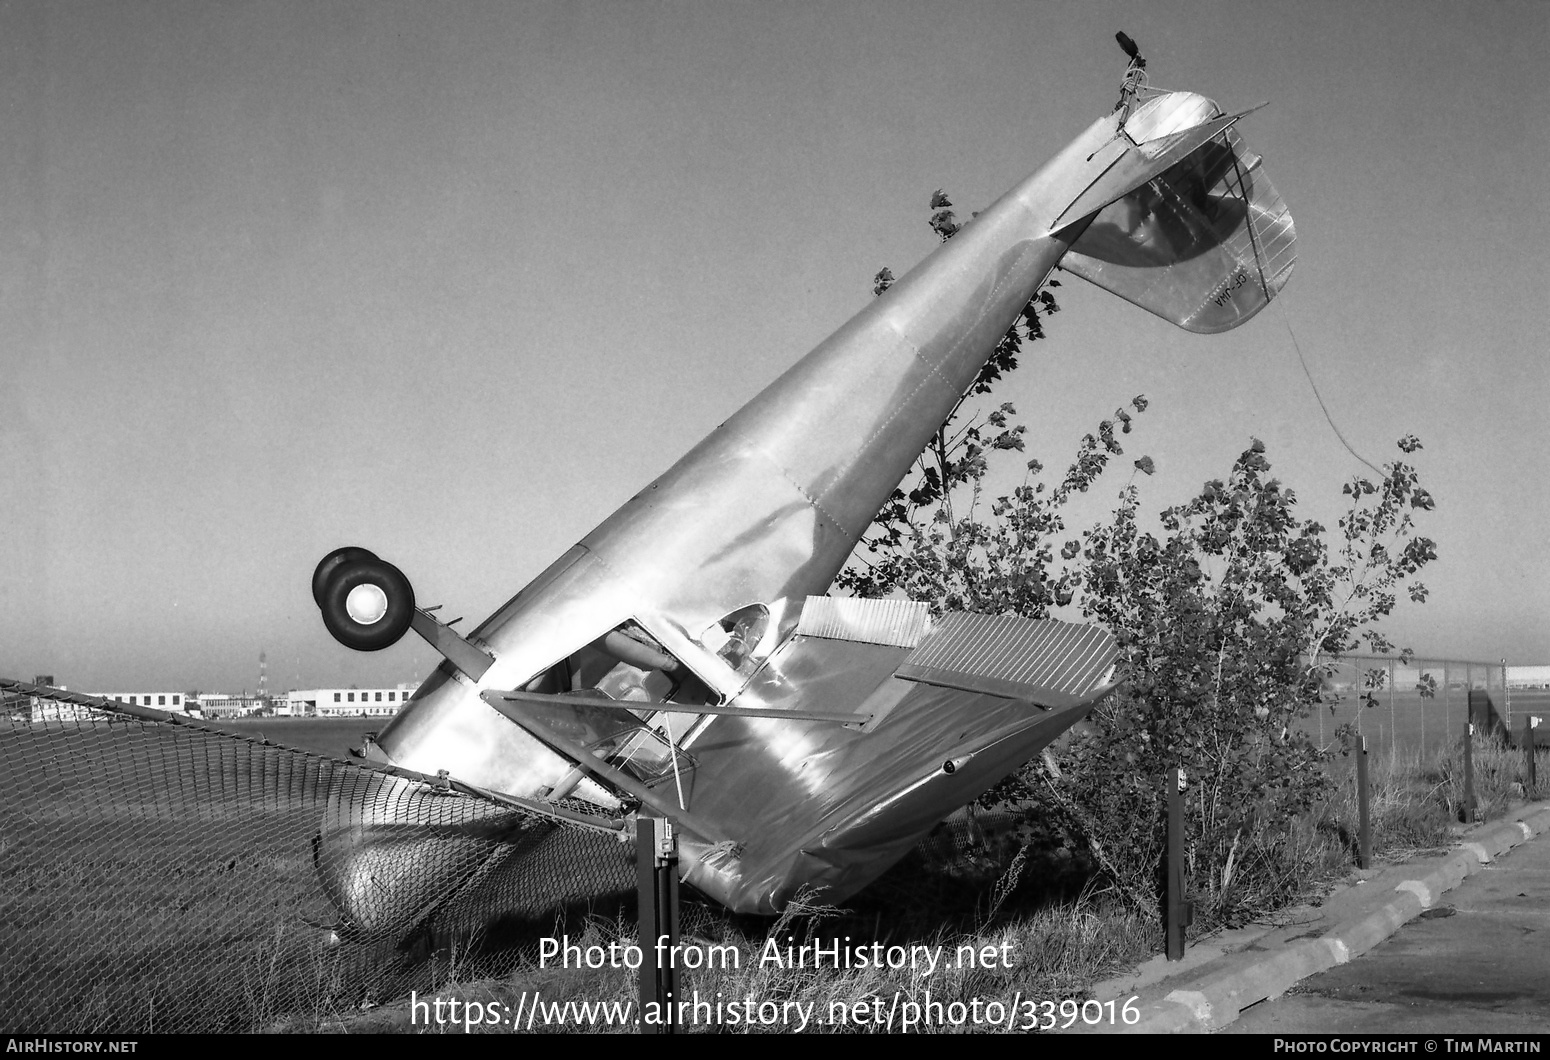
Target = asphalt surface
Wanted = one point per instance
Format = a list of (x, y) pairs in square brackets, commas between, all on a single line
[(1457, 943), (1478, 962)]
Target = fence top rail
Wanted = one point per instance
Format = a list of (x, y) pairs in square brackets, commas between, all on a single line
[(13, 690), (1407, 661)]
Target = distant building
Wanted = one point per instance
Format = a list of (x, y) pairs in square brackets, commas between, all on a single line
[(1528, 677), (59, 710), (171, 701), (348, 702), (226, 705)]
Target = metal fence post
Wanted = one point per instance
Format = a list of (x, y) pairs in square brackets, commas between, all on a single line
[(1469, 773), (656, 870), (1394, 718), (1506, 696), (1530, 765), (1364, 826), (1446, 705), (1177, 913)]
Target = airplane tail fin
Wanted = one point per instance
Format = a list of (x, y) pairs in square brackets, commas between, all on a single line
[(1206, 244)]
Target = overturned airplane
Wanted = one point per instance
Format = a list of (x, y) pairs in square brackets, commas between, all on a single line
[(682, 659)]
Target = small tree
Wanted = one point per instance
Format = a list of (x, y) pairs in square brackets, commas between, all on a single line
[(1226, 627)]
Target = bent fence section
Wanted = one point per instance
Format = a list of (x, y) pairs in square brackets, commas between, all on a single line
[(158, 875)]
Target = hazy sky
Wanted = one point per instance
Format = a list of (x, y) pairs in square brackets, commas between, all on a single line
[(453, 280)]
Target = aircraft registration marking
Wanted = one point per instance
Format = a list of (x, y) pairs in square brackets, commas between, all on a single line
[(1230, 287)]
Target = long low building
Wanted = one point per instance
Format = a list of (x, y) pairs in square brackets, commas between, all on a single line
[(1528, 677), (43, 708), (177, 701), (348, 702), (231, 704)]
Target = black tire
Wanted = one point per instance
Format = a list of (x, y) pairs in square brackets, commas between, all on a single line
[(332, 562), (394, 621)]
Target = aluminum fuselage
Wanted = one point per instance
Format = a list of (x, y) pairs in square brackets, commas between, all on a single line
[(768, 507), (759, 516)]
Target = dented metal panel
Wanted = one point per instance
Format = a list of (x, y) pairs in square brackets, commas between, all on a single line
[(826, 807)]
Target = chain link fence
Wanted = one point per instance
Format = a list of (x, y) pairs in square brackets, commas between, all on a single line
[(159, 875), (1412, 706)]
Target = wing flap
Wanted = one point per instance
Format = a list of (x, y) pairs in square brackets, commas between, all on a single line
[(1049, 663), (899, 623)]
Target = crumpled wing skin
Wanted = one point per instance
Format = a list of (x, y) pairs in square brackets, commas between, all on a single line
[(833, 807), (866, 832), (1206, 245)]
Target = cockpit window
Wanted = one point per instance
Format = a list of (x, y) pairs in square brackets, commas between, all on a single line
[(738, 638), (628, 664)]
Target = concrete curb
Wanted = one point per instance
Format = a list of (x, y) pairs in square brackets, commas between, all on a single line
[(1211, 1002)]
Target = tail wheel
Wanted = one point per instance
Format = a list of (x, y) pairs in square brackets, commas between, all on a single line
[(332, 562), (367, 604)]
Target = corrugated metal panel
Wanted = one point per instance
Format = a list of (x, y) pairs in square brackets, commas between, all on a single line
[(1045, 661), (898, 623)]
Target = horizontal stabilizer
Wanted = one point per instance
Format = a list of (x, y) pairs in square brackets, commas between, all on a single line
[(1045, 662), (1205, 245), (1140, 163)]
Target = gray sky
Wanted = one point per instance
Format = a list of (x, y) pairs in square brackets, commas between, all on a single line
[(452, 281)]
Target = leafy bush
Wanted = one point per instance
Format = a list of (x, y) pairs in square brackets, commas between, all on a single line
[(1227, 625)]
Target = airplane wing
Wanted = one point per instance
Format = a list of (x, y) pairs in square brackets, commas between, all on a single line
[(1044, 662), (870, 724), (950, 706)]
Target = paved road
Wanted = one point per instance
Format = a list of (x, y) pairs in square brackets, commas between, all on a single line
[(1485, 969)]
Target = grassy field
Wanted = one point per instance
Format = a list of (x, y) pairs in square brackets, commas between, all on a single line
[(154, 877), (330, 736), (159, 878), (925, 914), (1058, 944)]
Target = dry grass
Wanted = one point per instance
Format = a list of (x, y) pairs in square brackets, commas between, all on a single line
[(1057, 944), (1057, 951), (1415, 805)]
